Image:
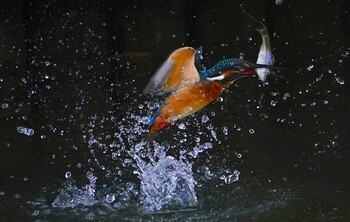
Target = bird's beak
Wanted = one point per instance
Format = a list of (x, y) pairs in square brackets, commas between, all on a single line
[(256, 66), (250, 68)]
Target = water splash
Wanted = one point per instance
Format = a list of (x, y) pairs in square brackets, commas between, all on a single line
[(115, 197), (71, 196), (165, 181), (200, 148), (168, 181)]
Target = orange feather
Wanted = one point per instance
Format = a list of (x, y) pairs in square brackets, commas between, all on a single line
[(177, 71), (187, 101)]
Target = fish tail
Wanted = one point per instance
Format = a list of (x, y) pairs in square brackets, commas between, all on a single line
[(250, 16)]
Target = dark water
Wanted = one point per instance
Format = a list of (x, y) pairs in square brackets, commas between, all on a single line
[(73, 74)]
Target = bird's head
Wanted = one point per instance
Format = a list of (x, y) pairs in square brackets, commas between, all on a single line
[(234, 68)]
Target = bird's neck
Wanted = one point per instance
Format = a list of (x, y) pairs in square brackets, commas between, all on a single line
[(207, 73), (213, 71)]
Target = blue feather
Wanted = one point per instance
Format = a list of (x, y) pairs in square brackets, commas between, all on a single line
[(151, 121), (222, 66)]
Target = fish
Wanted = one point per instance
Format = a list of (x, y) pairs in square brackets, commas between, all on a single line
[(265, 55)]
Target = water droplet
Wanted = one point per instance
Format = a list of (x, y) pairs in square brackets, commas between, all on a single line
[(334, 143), (114, 156), (182, 126), (241, 55), (310, 67), (339, 80), (279, 2), (25, 131), (110, 198), (89, 175), (208, 174), (4, 105), (166, 146), (205, 118), (285, 96), (68, 175), (232, 177), (273, 103), (35, 213), (2, 193), (152, 105), (206, 146), (225, 130), (127, 161), (325, 102), (251, 131)]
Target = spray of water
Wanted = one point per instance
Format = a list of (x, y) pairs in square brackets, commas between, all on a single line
[(165, 181)]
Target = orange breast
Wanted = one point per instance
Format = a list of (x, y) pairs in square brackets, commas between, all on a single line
[(190, 99)]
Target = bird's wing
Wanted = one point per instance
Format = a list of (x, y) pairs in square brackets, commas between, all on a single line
[(177, 71)]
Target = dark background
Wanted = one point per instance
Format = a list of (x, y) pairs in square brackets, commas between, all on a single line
[(67, 67)]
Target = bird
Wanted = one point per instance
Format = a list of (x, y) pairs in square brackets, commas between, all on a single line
[(192, 88)]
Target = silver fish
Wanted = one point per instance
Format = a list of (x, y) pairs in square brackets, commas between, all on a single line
[(265, 55)]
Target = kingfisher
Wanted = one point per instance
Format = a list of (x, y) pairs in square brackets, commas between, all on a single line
[(192, 87)]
